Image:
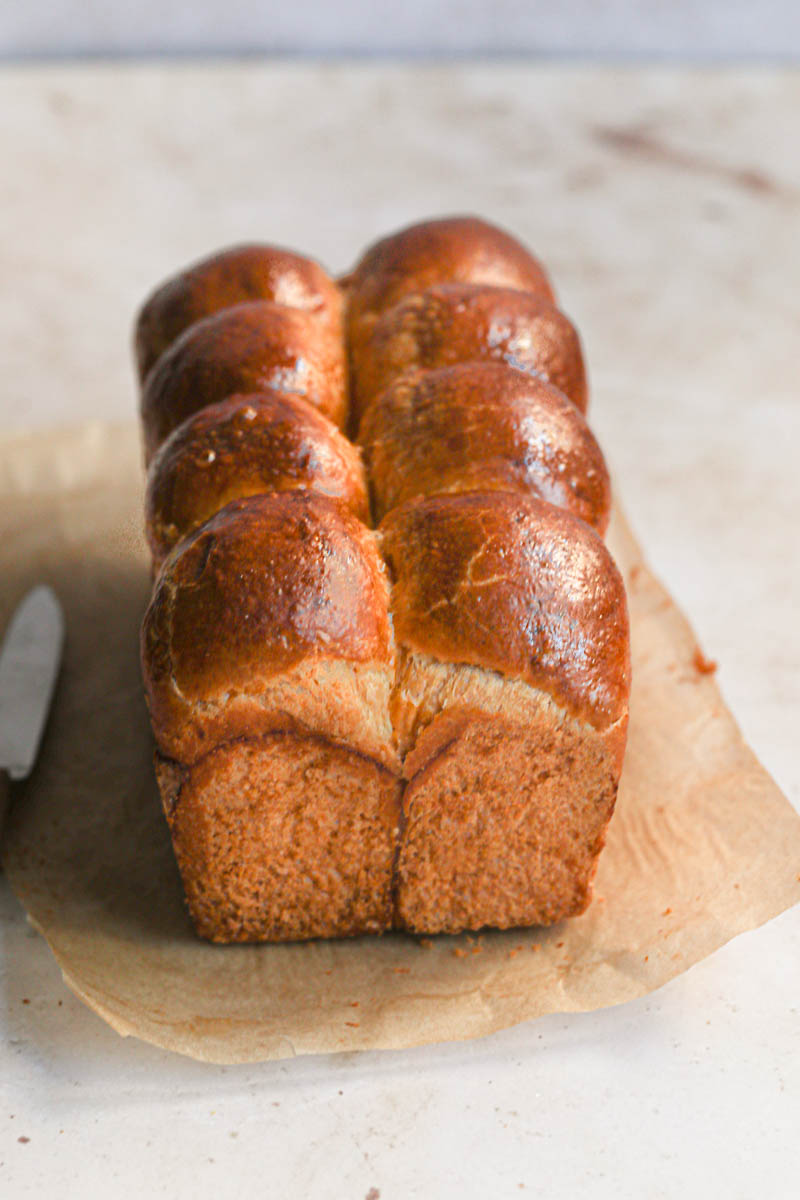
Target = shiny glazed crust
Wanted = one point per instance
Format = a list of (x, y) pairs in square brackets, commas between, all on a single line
[(243, 446), (273, 588), (515, 585), (232, 276), (482, 427), (460, 322), (243, 349), (452, 249)]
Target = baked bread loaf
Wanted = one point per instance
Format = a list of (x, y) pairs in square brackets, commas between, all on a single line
[(418, 727), (233, 276)]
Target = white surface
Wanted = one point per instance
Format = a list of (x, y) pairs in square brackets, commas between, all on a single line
[(666, 205), (694, 29)]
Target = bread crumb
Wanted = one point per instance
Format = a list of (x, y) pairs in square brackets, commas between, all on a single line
[(354, 1003), (559, 945), (401, 970), (666, 912), (426, 943), (352, 1024), (536, 946), (460, 952), (703, 665)]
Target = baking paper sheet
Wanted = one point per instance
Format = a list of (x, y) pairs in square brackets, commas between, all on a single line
[(702, 847)]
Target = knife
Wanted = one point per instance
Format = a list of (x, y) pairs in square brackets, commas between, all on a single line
[(29, 661)]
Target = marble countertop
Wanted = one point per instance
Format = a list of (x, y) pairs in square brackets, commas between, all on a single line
[(665, 203)]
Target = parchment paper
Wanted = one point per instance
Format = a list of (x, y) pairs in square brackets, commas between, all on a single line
[(703, 844)]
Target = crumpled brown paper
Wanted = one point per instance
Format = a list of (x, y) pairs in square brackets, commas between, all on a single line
[(703, 844)]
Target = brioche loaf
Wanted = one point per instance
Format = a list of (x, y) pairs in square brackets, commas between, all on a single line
[(419, 726)]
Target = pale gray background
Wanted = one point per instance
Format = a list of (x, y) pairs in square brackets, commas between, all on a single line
[(683, 29)]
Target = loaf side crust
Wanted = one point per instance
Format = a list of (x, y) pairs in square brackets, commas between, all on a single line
[(283, 837), (457, 322), (505, 821), (244, 348)]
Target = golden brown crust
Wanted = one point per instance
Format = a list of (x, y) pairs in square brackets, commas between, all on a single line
[(482, 427), (269, 584), (516, 585), (459, 322), (244, 446), (452, 249), (240, 273), (244, 349), (288, 729)]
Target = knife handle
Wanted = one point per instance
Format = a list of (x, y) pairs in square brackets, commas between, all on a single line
[(5, 801)]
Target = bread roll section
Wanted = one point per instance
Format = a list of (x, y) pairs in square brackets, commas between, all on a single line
[(244, 349), (510, 706), (462, 322), (269, 661), (233, 276), (246, 445), (419, 726), (450, 250)]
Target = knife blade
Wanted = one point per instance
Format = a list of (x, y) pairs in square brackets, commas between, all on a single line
[(29, 660)]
